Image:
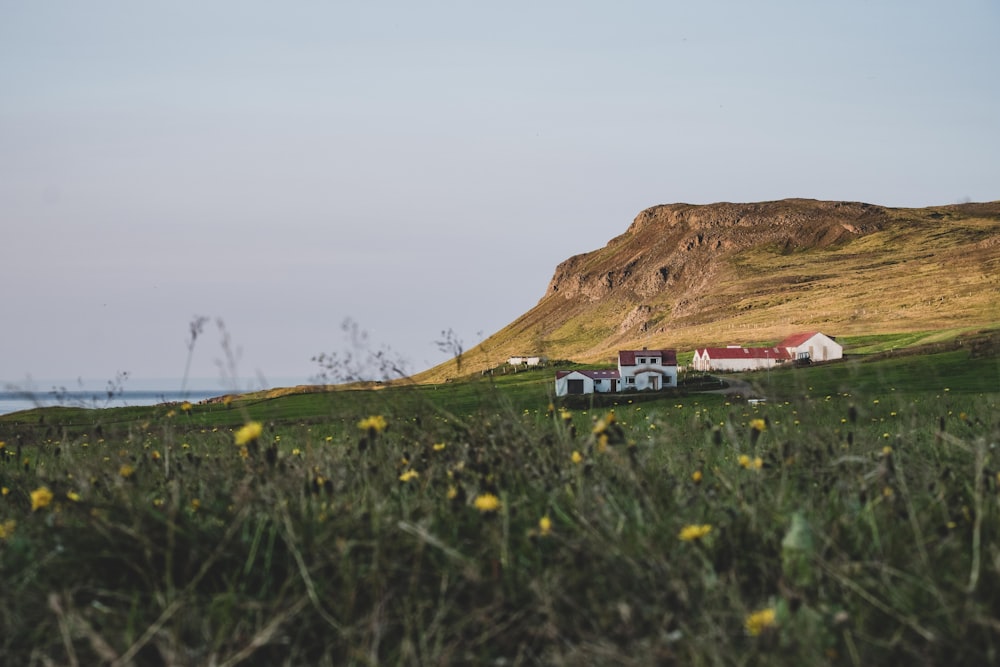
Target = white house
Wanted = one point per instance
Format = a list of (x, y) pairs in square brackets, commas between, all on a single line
[(814, 346), (637, 369), (735, 358)]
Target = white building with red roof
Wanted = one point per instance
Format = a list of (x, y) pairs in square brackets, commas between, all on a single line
[(814, 346), (735, 358), (641, 370), (808, 346)]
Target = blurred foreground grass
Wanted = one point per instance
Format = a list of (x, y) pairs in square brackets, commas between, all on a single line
[(850, 520)]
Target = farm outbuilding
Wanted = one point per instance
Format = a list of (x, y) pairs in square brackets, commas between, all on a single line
[(735, 359), (813, 346), (808, 346)]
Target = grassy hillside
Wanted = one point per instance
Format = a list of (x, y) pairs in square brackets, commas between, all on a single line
[(686, 276)]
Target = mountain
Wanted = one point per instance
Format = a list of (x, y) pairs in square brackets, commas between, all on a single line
[(685, 276)]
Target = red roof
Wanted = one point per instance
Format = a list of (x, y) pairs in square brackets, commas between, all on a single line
[(797, 339), (745, 353), (627, 357)]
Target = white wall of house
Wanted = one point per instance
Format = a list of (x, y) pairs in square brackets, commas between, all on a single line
[(648, 373)]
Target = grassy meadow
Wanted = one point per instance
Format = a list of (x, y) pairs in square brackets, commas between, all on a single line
[(851, 519)]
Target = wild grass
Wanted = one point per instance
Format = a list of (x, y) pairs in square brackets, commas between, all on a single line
[(840, 523)]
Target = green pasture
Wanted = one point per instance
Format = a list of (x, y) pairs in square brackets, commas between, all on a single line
[(853, 518)]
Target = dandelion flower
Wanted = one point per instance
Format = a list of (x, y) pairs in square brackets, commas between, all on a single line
[(759, 621), (438, 446), (452, 492), (744, 460), (758, 424), (693, 532), (248, 433), (186, 406), (577, 457), (40, 497), (73, 495), (7, 528), (126, 471), (408, 475), (544, 525), (487, 502), (375, 423), (696, 477)]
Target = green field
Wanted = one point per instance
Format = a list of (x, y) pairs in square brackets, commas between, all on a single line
[(851, 519)]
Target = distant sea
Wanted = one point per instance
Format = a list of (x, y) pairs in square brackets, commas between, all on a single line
[(28, 394)]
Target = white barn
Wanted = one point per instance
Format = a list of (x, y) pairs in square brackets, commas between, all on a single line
[(735, 358), (811, 345), (814, 346), (640, 370)]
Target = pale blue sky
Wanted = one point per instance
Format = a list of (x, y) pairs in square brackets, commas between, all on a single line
[(425, 166)]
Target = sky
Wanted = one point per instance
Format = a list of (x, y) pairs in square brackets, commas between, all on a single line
[(410, 169)]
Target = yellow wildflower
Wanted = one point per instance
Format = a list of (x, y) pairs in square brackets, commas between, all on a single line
[(577, 457), (408, 475), (40, 497), (126, 471), (155, 455), (296, 452), (758, 424), (438, 446), (744, 460), (452, 492), (73, 495), (186, 406), (693, 532), (7, 528), (195, 504), (4, 491), (759, 621), (696, 477), (487, 502), (544, 525), (375, 423), (248, 433)]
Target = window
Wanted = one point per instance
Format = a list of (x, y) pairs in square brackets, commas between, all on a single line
[(629, 380)]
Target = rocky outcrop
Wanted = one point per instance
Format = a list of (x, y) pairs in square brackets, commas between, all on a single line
[(673, 246)]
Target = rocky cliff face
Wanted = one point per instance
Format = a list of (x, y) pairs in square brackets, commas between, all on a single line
[(675, 245)]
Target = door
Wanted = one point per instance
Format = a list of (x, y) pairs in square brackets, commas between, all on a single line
[(574, 386)]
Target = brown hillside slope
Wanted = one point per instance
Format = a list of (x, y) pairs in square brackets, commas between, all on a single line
[(683, 276)]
